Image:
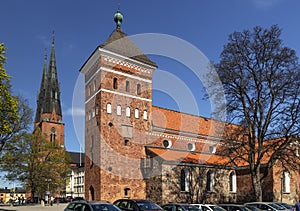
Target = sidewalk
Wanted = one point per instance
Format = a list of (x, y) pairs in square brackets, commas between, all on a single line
[(55, 207)]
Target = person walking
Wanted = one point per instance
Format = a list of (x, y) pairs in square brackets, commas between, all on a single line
[(297, 206)]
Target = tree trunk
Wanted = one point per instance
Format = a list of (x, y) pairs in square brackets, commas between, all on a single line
[(257, 186)]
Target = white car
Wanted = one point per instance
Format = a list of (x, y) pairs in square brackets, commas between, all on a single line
[(209, 207)]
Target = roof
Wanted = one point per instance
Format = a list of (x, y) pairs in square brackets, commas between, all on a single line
[(119, 43), (181, 156)]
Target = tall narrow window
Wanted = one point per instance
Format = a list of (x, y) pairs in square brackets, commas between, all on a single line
[(145, 115), (52, 134), (127, 86), (128, 111), (184, 180), (115, 83), (138, 89), (286, 182), (108, 108), (232, 182), (119, 110), (136, 113), (209, 181)]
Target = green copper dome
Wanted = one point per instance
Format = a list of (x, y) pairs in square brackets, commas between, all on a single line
[(118, 17)]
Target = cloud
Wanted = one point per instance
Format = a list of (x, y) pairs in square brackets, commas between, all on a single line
[(75, 112)]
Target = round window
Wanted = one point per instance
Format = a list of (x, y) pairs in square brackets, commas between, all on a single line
[(167, 143)]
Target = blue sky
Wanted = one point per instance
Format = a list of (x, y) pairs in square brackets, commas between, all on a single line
[(80, 26)]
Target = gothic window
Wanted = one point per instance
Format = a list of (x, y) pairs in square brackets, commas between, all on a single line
[(232, 182), (184, 180), (119, 110), (212, 149), (108, 108), (128, 111), (286, 182), (127, 86), (52, 135), (115, 83), (145, 115), (136, 113), (138, 89), (210, 181)]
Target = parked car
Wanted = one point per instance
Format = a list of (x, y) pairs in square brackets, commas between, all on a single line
[(179, 207), (91, 206), (136, 205), (285, 205), (269, 206), (234, 207), (209, 207)]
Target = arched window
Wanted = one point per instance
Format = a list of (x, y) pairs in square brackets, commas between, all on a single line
[(184, 180), (115, 83), (138, 89), (286, 182), (119, 110), (108, 108), (212, 149), (145, 115), (210, 181), (52, 134), (128, 111), (232, 182), (136, 113), (127, 86)]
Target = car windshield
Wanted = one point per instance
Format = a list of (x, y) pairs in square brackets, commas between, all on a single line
[(277, 207), (146, 205), (105, 207), (190, 208), (216, 208)]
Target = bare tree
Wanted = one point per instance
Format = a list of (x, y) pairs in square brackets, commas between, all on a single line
[(261, 81)]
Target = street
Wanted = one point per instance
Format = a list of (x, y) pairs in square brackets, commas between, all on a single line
[(55, 207)]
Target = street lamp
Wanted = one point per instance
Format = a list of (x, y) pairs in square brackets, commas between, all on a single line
[(48, 190)]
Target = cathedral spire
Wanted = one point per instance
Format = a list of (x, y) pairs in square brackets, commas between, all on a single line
[(48, 102)]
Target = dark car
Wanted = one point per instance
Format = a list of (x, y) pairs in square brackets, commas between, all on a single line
[(268, 206), (136, 205), (234, 207), (179, 207), (91, 206), (285, 205)]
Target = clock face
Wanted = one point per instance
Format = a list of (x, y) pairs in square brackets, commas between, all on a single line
[(53, 130)]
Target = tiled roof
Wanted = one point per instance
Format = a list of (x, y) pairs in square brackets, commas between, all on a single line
[(119, 43), (182, 122), (180, 156)]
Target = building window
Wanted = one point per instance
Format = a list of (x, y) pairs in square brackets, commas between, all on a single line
[(232, 182), (115, 83), (191, 146), (145, 115), (167, 143), (108, 108), (94, 87), (52, 134), (210, 181), (286, 182), (119, 110), (184, 180), (126, 192), (126, 142), (136, 113), (128, 111), (138, 89), (127, 86), (212, 149)]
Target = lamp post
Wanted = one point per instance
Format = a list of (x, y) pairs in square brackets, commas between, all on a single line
[(48, 190)]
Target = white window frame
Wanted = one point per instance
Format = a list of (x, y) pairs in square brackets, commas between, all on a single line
[(136, 113), (286, 182), (127, 111), (145, 115), (119, 110), (108, 108)]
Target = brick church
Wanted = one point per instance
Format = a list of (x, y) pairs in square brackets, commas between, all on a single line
[(134, 149)]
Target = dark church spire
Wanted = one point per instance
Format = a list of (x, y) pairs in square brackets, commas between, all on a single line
[(48, 102)]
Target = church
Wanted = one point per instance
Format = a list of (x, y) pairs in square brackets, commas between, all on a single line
[(134, 149)]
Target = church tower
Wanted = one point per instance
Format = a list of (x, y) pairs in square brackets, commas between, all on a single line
[(118, 101), (48, 116)]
